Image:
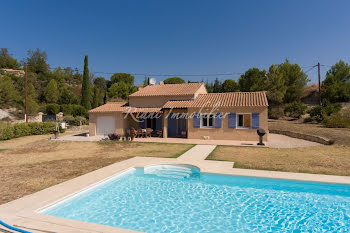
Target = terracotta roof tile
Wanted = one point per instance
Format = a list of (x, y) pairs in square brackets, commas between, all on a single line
[(110, 107), (122, 107), (138, 110), (231, 99), (168, 89)]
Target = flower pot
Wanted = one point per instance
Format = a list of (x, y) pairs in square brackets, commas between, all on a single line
[(56, 133)]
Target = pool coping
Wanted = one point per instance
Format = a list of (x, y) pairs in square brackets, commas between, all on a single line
[(23, 212)]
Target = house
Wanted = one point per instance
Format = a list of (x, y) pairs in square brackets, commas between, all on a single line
[(185, 110), (19, 73)]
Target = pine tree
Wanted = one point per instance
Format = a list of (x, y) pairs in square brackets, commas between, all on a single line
[(51, 92), (85, 90)]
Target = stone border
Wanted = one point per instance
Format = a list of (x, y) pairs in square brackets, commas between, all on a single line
[(308, 137)]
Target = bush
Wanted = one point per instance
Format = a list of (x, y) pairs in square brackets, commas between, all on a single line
[(21, 130), (275, 112), (69, 119), (74, 110), (52, 109), (316, 113), (308, 119), (75, 120), (319, 113), (337, 120), (6, 132), (39, 128), (82, 120), (295, 109), (26, 129), (114, 136), (329, 108)]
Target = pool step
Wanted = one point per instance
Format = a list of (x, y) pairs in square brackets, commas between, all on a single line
[(180, 171)]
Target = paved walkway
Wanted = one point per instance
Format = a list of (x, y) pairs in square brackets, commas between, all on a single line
[(197, 153)]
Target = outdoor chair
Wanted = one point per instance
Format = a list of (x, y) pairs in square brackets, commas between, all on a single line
[(160, 133), (133, 132), (148, 132), (140, 133)]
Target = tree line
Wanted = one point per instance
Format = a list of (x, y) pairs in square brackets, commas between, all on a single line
[(58, 89), (67, 87)]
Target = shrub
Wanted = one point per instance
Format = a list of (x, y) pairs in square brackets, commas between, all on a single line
[(308, 119), (74, 110), (26, 129), (319, 113), (114, 136), (316, 113), (6, 132), (39, 128), (52, 109), (337, 120), (21, 130), (79, 111), (82, 120), (69, 119), (329, 108), (275, 112), (295, 109), (75, 120)]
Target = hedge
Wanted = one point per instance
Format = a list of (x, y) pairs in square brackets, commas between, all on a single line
[(71, 120), (26, 129)]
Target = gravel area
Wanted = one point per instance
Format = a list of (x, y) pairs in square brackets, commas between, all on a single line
[(282, 141)]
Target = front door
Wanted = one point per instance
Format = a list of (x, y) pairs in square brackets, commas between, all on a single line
[(176, 127)]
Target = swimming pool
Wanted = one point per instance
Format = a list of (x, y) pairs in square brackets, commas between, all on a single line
[(184, 200)]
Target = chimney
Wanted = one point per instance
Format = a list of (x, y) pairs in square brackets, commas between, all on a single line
[(161, 83), (140, 86)]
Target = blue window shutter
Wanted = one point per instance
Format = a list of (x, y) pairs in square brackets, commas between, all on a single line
[(255, 120), (218, 117), (159, 123), (232, 120), (142, 123), (196, 120)]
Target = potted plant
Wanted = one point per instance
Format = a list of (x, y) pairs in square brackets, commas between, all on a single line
[(127, 134), (114, 136), (56, 133)]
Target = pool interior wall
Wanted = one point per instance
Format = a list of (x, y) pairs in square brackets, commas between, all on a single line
[(209, 203)]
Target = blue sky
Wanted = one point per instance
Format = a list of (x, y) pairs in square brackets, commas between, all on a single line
[(179, 37)]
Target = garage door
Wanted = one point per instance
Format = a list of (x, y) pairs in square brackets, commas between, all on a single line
[(105, 125)]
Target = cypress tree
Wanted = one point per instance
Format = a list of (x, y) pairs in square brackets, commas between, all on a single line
[(105, 98), (95, 99), (85, 90)]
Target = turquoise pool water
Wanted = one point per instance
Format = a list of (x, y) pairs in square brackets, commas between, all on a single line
[(210, 203)]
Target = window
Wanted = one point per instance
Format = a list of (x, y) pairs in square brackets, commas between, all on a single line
[(244, 121), (207, 121)]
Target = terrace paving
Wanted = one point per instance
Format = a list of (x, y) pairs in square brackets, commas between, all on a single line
[(274, 141)]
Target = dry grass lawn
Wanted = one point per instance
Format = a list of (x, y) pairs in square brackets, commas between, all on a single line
[(32, 163), (332, 160)]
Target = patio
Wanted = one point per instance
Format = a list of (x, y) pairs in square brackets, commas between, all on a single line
[(274, 141)]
